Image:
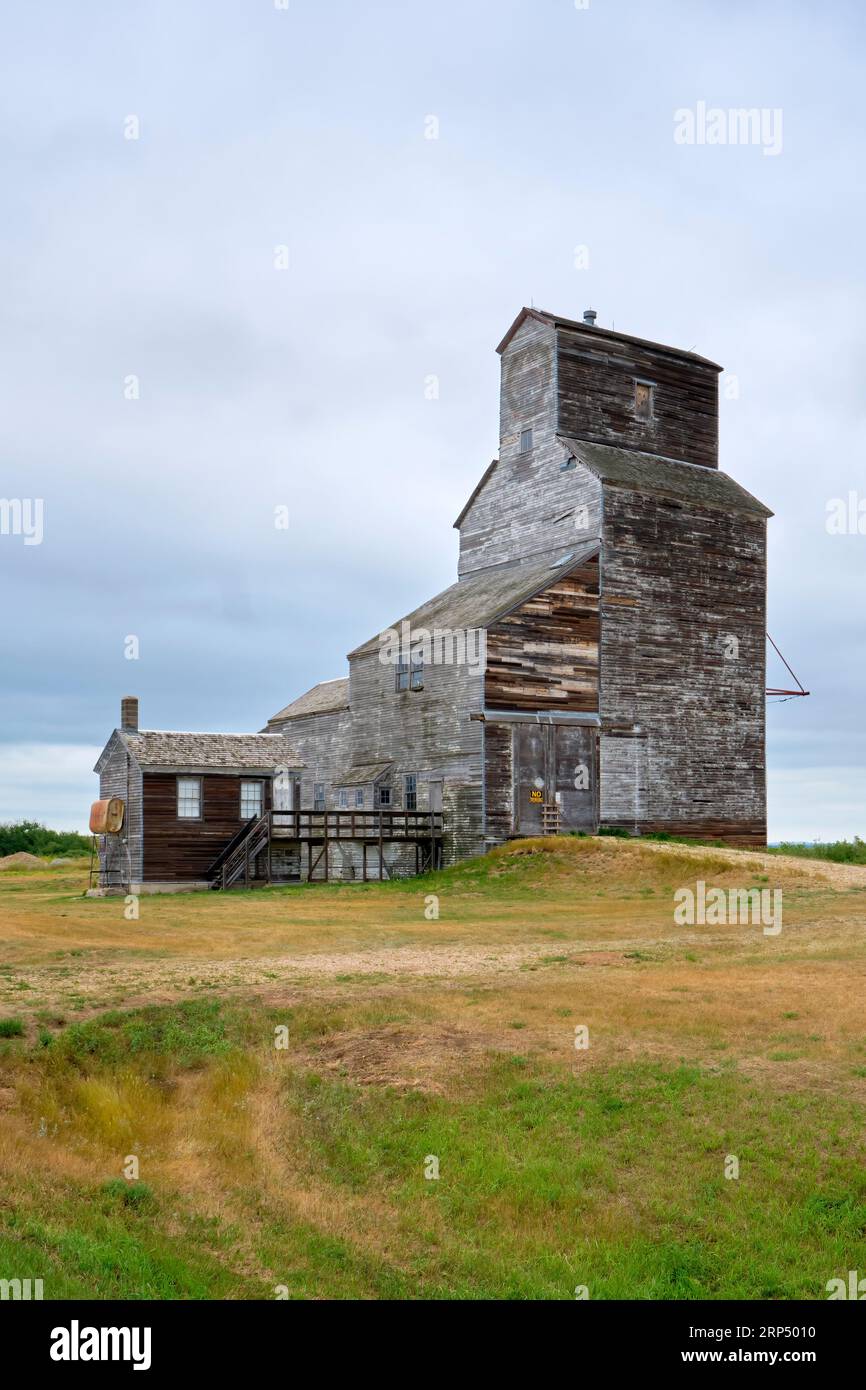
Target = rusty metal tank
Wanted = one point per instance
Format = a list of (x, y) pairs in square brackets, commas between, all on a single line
[(106, 817)]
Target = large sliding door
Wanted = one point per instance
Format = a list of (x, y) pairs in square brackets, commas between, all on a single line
[(555, 764)]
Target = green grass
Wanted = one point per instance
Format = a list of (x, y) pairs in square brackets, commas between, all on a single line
[(615, 1181), (187, 1034), (11, 1028), (87, 1245), (549, 1178)]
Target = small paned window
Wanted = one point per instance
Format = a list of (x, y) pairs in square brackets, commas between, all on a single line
[(252, 800), (318, 796), (344, 799), (383, 796), (410, 674), (410, 788), (189, 798), (359, 797), (525, 441), (643, 400)]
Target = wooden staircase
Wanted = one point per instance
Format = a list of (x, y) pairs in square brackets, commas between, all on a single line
[(320, 830), (238, 858)]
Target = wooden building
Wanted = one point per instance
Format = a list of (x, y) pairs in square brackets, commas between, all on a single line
[(600, 660)]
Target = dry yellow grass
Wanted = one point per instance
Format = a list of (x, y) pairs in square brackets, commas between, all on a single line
[(541, 938)]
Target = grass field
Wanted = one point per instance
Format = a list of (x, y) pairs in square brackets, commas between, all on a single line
[(305, 1170)]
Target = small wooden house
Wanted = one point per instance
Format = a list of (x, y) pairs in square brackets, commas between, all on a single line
[(600, 660)]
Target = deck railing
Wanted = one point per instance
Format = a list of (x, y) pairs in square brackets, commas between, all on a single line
[(357, 825)]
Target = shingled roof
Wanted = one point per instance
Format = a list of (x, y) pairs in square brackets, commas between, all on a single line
[(363, 774), (324, 698), (253, 752), (690, 482), (481, 598)]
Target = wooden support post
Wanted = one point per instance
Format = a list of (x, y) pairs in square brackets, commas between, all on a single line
[(380, 845)]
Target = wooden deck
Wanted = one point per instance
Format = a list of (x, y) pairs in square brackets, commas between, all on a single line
[(318, 830)]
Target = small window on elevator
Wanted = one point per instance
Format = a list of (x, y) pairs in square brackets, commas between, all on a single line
[(643, 400), (526, 441)]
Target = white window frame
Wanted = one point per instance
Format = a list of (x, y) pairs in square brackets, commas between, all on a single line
[(187, 782), (260, 799)]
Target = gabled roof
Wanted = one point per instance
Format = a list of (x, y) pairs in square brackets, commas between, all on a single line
[(324, 698), (604, 334), (482, 597), (664, 477), (488, 473), (162, 748), (363, 774)]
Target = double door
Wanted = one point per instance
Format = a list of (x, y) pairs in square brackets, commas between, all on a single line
[(555, 765)]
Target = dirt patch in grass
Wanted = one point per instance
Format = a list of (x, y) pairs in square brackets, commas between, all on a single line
[(407, 1059)]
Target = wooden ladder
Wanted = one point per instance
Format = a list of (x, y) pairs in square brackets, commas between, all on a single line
[(550, 818)]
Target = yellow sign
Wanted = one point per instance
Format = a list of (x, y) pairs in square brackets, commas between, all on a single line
[(535, 796)]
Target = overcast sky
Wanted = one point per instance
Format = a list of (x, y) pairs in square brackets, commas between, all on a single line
[(307, 128)]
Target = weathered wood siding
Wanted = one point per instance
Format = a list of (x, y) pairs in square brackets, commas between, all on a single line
[(678, 583), (498, 782), (324, 747), (529, 506), (120, 855), (181, 850), (623, 780), (596, 397), (427, 732), (544, 655)]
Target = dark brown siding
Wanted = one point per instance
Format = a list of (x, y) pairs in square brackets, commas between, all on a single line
[(544, 655), (680, 582), (498, 775), (179, 850), (595, 382)]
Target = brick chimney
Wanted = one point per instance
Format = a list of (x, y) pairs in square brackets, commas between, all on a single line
[(129, 713)]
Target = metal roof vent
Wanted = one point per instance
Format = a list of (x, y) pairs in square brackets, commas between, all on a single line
[(589, 317)]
